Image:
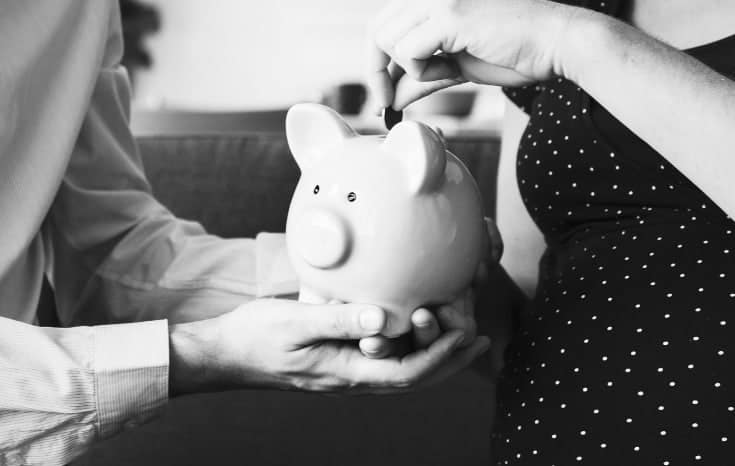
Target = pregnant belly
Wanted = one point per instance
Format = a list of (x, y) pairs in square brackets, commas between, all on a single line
[(664, 263), (635, 287), (628, 339), (632, 295)]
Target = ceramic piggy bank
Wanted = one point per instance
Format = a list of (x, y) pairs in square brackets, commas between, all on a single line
[(394, 221)]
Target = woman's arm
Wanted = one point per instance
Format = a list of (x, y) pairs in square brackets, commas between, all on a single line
[(679, 106)]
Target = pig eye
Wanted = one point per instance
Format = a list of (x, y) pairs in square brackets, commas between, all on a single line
[(316, 189), (352, 197)]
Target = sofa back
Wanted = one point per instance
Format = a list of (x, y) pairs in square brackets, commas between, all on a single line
[(239, 184)]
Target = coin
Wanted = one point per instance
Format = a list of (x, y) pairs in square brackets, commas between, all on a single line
[(391, 117)]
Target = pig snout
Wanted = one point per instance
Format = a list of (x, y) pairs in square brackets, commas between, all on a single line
[(322, 238)]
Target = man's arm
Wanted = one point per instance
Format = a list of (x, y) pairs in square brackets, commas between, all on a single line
[(62, 389), (119, 255)]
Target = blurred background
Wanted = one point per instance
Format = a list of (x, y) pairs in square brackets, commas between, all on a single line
[(258, 58), (212, 83)]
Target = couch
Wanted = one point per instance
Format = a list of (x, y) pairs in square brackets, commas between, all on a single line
[(238, 184)]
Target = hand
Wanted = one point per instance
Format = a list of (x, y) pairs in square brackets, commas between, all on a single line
[(427, 326), (290, 345), (441, 43), (426, 329)]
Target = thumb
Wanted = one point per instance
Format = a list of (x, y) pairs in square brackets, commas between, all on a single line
[(339, 322), (408, 90)]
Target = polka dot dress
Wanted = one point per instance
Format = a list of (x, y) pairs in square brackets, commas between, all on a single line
[(625, 355)]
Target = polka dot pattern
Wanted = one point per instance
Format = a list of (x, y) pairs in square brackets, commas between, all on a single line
[(624, 355)]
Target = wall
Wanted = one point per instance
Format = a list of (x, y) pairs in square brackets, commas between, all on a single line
[(240, 54)]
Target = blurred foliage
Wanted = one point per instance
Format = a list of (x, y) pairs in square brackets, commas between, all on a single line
[(138, 21)]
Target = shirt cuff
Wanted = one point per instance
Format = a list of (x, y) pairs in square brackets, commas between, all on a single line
[(131, 374)]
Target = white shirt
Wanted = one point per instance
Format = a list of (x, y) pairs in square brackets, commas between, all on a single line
[(75, 204)]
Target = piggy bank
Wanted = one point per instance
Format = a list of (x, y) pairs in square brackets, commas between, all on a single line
[(395, 221)]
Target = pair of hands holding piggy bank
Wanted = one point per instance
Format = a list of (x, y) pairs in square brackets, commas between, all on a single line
[(385, 227), (394, 221)]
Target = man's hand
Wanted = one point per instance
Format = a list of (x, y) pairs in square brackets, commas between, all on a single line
[(428, 325), (290, 345), (441, 43)]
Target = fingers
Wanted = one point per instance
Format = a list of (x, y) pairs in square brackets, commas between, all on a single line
[(423, 367), (395, 74), (377, 75), (413, 41), (443, 71), (390, 24), (459, 361), (395, 71), (407, 371), (405, 37), (460, 315), (408, 90), (395, 22), (419, 42), (377, 347), (379, 81), (422, 51), (425, 328), (336, 322)]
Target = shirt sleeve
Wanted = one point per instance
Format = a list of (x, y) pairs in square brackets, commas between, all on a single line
[(114, 255), (61, 389), (119, 255)]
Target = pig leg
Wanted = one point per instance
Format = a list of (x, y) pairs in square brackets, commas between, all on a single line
[(307, 295)]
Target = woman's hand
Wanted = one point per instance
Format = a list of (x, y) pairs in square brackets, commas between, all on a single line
[(440, 43), (290, 345)]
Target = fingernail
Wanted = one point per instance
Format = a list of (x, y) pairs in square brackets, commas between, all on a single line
[(369, 347), (461, 339), (421, 320), (422, 323), (372, 319)]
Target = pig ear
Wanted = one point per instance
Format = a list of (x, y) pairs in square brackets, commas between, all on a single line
[(422, 153), (313, 128)]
